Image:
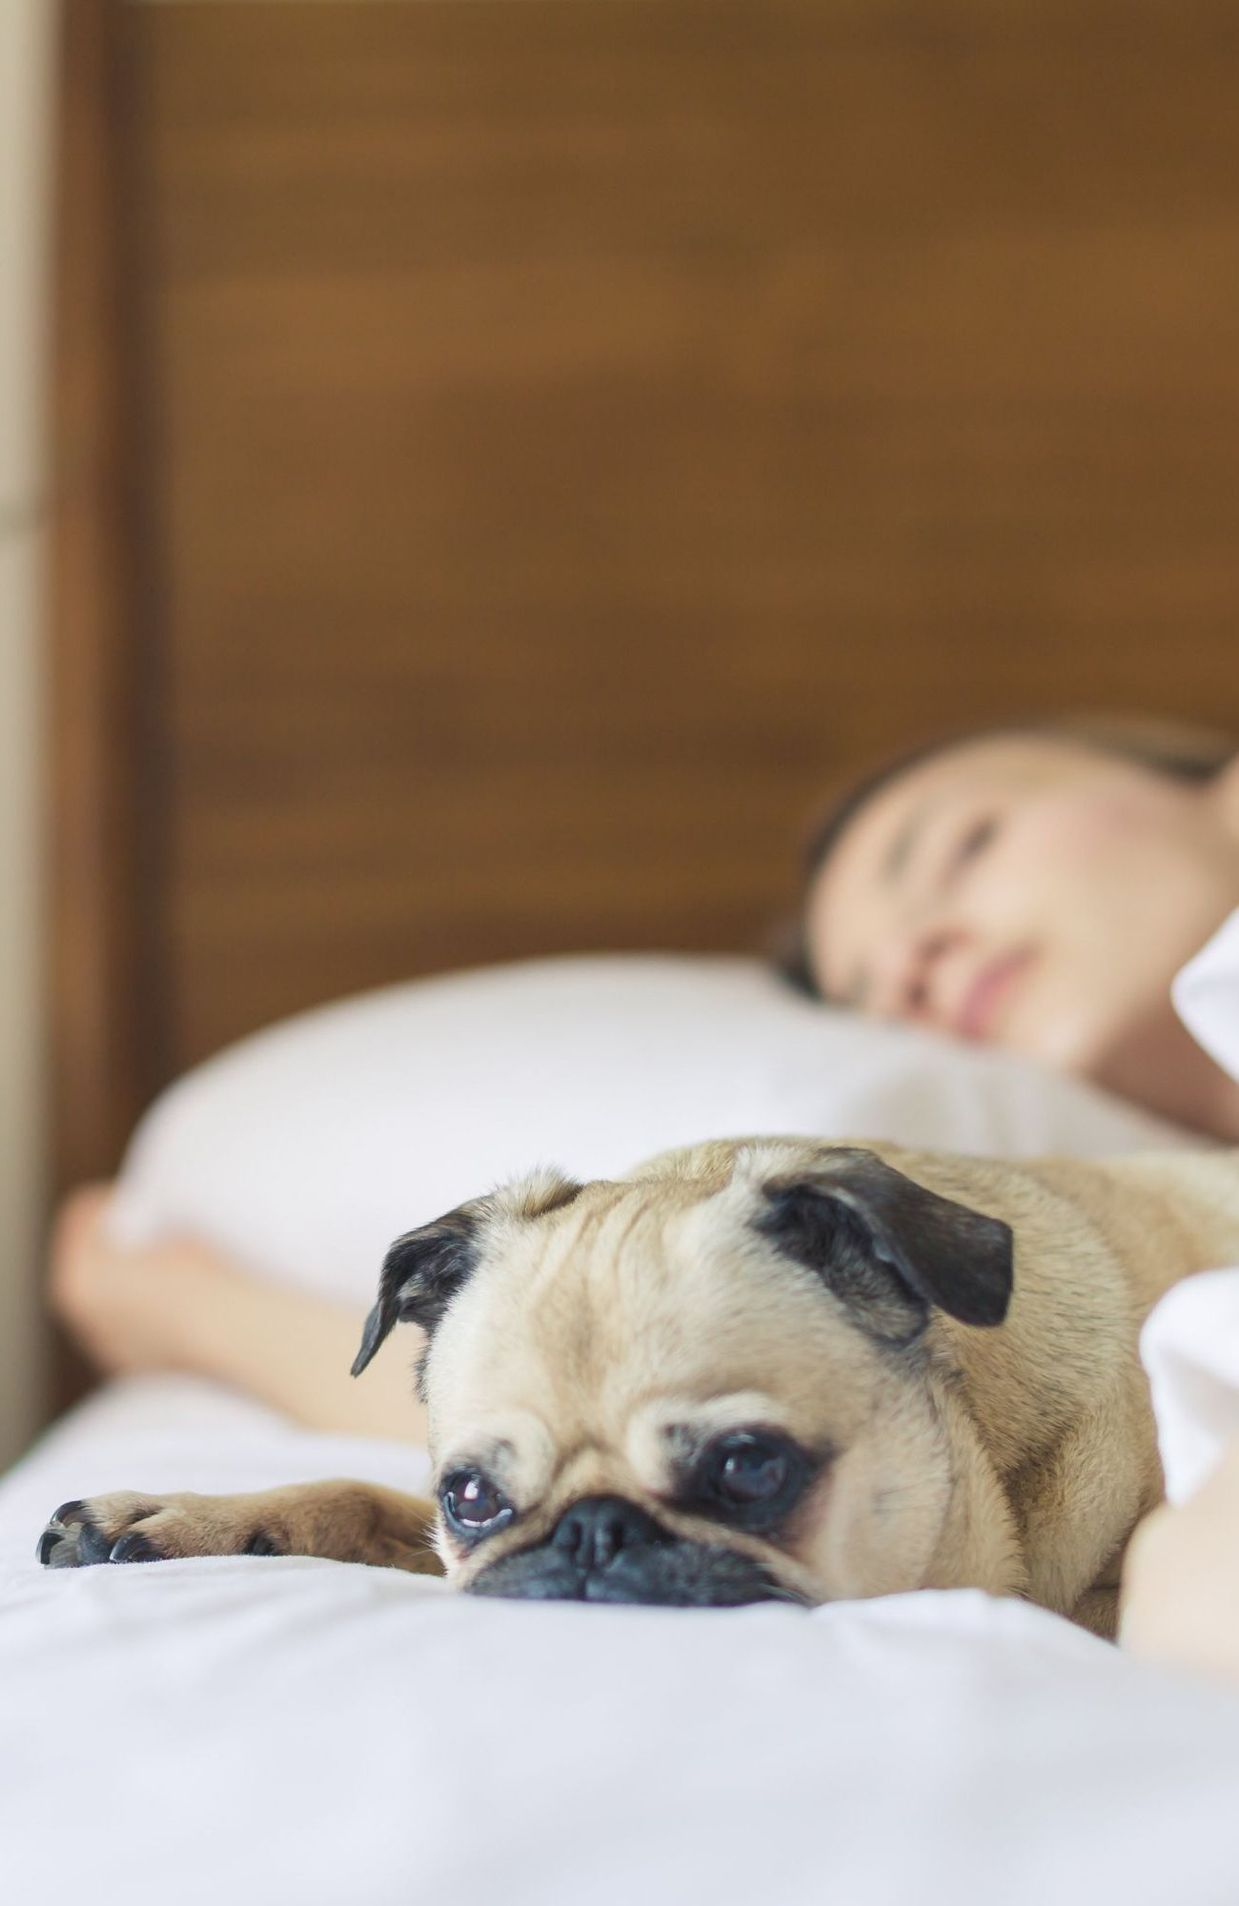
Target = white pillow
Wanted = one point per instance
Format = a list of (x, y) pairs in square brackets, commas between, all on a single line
[(307, 1148)]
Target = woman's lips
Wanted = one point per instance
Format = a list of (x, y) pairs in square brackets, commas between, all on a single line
[(989, 993)]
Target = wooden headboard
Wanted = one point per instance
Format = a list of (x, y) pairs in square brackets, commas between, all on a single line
[(511, 455)]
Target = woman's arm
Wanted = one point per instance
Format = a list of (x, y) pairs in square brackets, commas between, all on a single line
[(1180, 1600), (180, 1305)]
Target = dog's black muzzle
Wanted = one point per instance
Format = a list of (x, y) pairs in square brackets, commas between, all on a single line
[(604, 1549)]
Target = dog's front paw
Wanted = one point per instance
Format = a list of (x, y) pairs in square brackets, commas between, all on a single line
[(129, 1527), (102, 1529)]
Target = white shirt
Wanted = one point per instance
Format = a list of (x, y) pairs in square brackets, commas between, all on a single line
[(1190, 1344), (1206, 997)]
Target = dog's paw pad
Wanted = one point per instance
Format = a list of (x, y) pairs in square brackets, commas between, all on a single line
[(263, 1543)]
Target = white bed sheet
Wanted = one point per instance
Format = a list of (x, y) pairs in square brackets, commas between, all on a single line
[(285, 1730)]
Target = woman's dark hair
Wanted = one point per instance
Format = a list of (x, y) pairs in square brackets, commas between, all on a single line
[(1180, 750)]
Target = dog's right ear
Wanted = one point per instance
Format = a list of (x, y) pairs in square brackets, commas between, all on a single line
[(421, 1274), (425, 1268)]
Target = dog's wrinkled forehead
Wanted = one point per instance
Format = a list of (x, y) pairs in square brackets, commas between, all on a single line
[(633, 1290), (705, 1268)]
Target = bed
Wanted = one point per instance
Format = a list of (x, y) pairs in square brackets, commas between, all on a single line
[(509, 458), (290, 1729)]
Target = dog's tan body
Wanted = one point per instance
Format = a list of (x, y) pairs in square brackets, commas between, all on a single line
[(601, 1332)]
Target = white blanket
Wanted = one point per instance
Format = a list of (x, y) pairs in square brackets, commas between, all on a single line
[(283, 1730)]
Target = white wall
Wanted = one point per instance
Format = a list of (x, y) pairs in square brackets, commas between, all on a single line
[(27, 29)]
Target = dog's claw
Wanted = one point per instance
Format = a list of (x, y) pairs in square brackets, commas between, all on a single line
[(135, 1547), (58, 1543)]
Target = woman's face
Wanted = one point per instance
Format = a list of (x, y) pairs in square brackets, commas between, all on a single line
[(1035, 894)]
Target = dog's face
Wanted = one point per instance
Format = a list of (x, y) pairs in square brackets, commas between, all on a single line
[(704, 1386)]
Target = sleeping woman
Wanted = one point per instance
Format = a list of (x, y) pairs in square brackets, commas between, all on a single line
[(1034, 888), (1038, 890)]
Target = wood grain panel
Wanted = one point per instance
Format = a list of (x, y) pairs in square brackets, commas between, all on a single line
[(105, 892), (583, 428)]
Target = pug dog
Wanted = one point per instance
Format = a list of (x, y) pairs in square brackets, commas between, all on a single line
[(760, 1370)]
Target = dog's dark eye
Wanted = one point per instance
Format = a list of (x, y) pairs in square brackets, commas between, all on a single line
[(473, 1505), (748, 1472), (748, 1469)]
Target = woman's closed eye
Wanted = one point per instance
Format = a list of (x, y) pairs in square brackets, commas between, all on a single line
[(976, 837), (922, 875)]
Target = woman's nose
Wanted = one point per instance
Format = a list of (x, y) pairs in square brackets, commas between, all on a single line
[(910, 987)]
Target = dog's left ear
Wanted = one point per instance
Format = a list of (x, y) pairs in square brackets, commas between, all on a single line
[(425, 1268), (927, 1250)]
